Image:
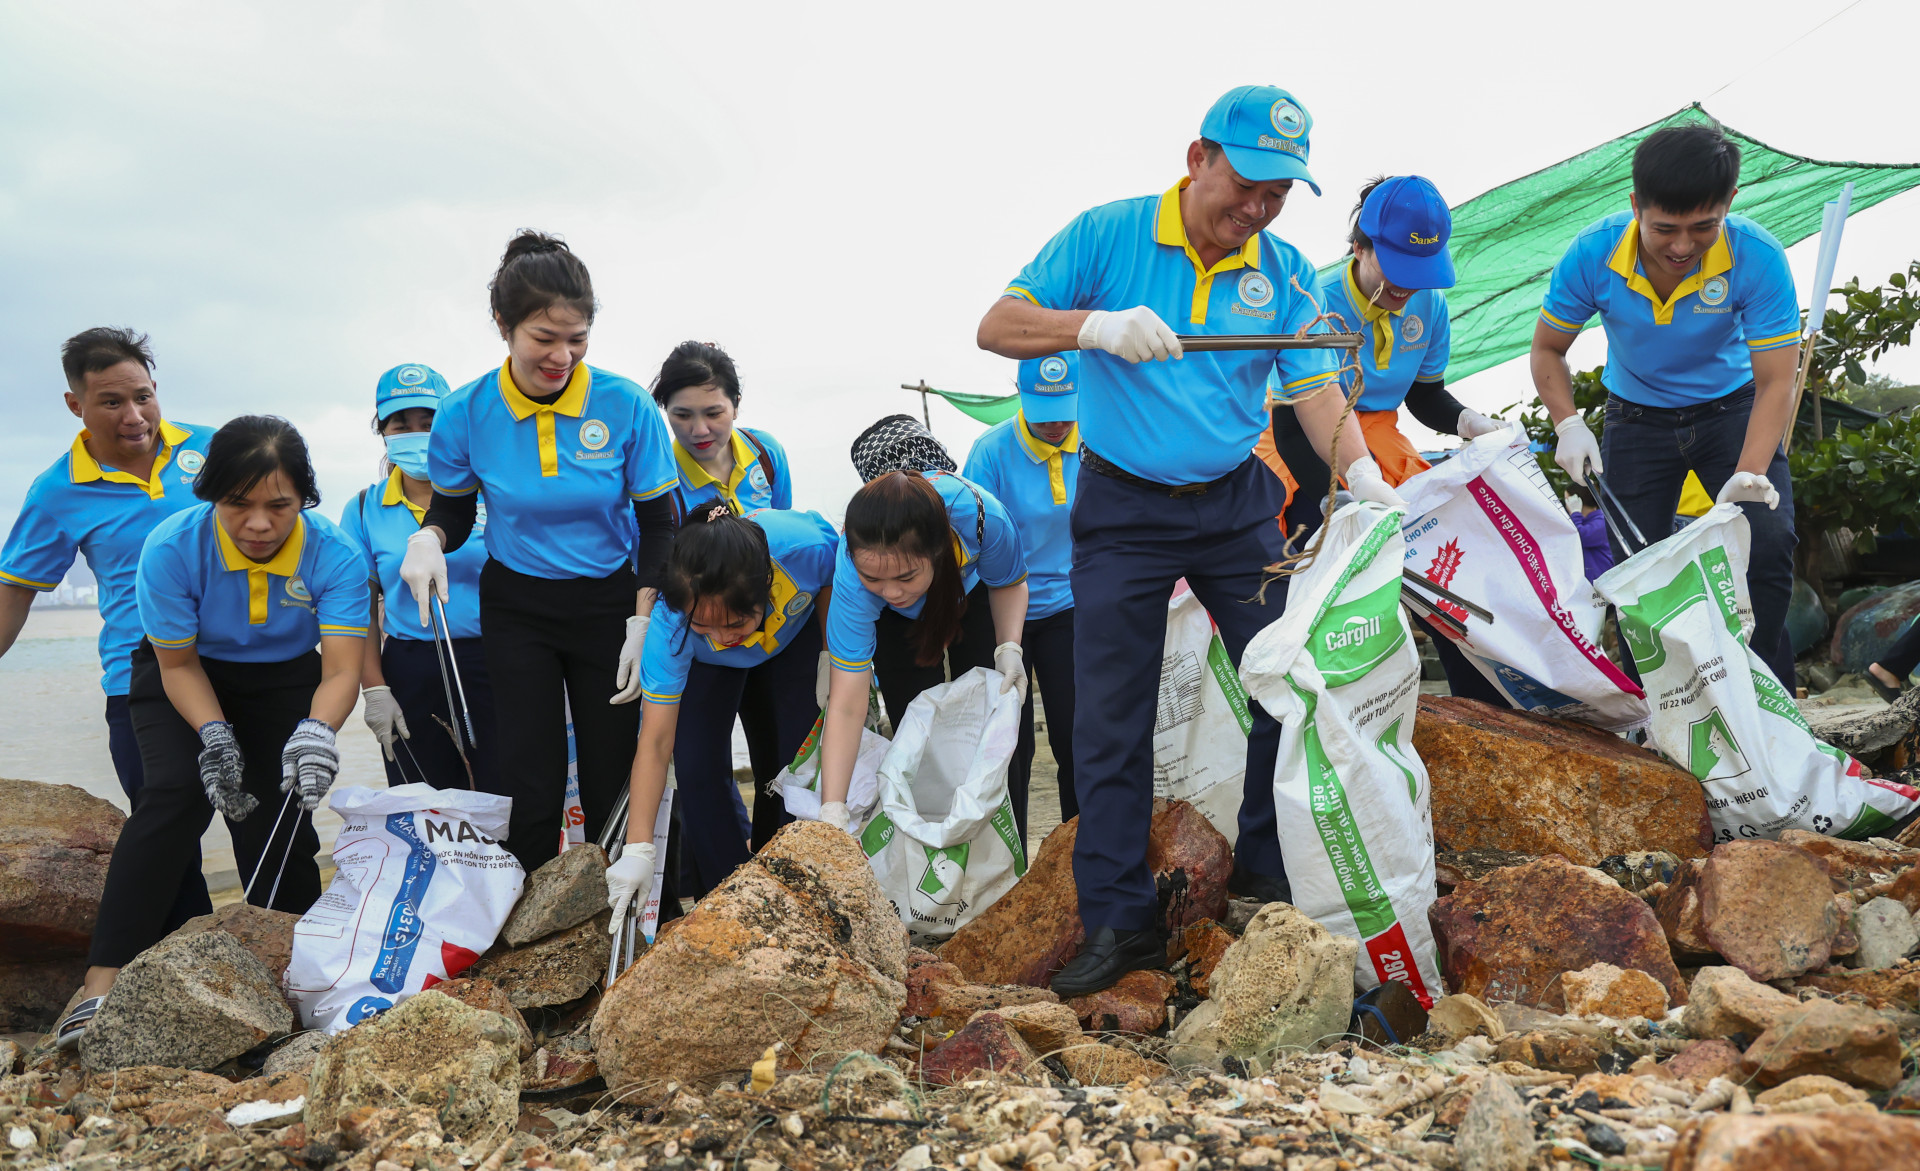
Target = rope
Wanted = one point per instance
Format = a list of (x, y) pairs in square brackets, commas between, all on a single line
[(1783, 48)]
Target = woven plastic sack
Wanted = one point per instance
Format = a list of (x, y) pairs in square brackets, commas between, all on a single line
[(798, 784), (1201, 720)]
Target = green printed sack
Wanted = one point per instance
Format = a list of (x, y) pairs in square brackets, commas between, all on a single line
[(1200, 721), (1718, 712), (944, 844), (1340, 673), (798, 784)]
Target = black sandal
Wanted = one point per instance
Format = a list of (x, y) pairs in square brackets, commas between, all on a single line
[(1890, 694), (67, 1032)]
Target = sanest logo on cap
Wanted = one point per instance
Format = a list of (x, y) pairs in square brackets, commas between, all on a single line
[(1053, 369), (411, 376), (1288, 119)]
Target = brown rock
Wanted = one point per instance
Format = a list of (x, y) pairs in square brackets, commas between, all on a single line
[(1856, 1045), (1513, 935), (1626, 1087), (34, 996), (562, 967), (1453, 867), (1605, 990), (1405, 1019), (1795, 1142), (1095, 1064), (1768, 908), (1046, 1027), (798, 945), (1034, 929), (1560, 1052), (1702, 1061), (1851, 865), (1725, 1002), (1203, 944), (485, 994), (988, 1043), (1905, 887), (1883, 988), (926, 975), (570, 889), (267, 933), (955, 1004), (1137, 1004), (55, 841), (1905, 1097), (428, 1051), (1807, 1087), (1678, 911), (1507, 780)]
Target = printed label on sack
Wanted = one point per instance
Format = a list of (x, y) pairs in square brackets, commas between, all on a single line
[(403, 931), (945, 867), (1221, 664), (1009, 830), (878, 833)]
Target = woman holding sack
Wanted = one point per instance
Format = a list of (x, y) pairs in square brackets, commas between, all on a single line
[(576, 467), (231, 704), (699, 390), (737, 630), (932, 581), (402, 677)]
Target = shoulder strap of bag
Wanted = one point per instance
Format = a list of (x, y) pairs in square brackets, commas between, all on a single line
[(760, 450)]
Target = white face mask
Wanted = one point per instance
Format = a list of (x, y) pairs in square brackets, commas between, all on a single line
[(408, 452)]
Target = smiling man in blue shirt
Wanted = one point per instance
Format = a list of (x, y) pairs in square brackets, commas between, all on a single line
[(1703, 331)]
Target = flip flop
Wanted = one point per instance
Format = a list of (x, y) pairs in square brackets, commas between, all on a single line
[(1890, 694), (67, 1032), (1365, 1005)]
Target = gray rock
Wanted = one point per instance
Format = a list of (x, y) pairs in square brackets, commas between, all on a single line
[(1887, 932), (1497, 1133), (296, 1054), (430, 1051), (1867, 729), (562, 967), (190, 1000), (1287, 983), (564, 893)]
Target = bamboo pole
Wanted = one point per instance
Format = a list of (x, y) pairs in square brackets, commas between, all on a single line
[(1799, 389), (926, 416)]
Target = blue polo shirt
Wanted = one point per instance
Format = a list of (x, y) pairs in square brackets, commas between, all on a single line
[(1034, 481), (754, 483), (79, 507), (1697, 346), (197, 589), (1196, 419), (380, 519), (560, 478), (1404, 347), (997, 560), (803, 546)]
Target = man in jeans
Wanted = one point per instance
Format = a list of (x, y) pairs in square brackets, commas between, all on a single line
[(1703, 330)]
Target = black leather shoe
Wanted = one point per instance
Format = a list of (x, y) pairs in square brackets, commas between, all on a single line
[(1106, 956), (1267, 888)]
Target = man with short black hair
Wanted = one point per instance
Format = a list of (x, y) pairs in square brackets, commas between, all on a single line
[(126, 471), (1703, 332)]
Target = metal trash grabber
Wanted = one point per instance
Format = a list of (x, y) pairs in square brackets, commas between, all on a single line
[(1474, 608), (1605, 496), (1201, 343), (1424, 609), (443, 654), (246, 895)]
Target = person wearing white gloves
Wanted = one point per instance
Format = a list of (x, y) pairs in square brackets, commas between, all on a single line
[(577, 470), (1703, 333), (737, 631), (234, 710), (1169, 486), (403, 694)]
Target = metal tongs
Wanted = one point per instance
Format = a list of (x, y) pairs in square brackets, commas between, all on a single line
[(1609, 505), (450, 680), (1425, 608), (640, 921), (1202, 342)]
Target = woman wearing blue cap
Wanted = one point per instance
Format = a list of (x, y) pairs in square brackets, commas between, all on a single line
[(1031, 462), (401, 678)]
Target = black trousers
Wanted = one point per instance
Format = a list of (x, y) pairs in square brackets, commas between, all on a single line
[(555, 643), (160, 843), (124, 746), (1904, 654), (412, 670), (1048, 646)]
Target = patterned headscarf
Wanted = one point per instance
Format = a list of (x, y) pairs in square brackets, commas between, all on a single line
[(896, 443)]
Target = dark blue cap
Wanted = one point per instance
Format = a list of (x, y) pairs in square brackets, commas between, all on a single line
[(1409, 225)]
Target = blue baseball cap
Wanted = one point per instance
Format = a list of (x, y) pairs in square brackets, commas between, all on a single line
[(1410, 225), (411, 385), (1264, 132), (1050, 388)]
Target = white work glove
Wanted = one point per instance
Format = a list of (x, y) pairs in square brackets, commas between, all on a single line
[(629, 880), (1749, 488), (823, 680), (383, 715), (834, 813), (424, 569), (1473, 424), (309, 762), (1012, 665), (1136, 334), (1576, 448), (627, 679), (1366, 482)]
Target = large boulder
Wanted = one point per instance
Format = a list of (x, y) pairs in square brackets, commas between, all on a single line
[(566, 892), (1795, 1142), (798, 945), (1507, 780), (1513, 935), (1856, 1045), (1286, 983), (431, 1051), (190, 1000), (55, 842), (32, 996), (267, 933), (1768, 908), (1725, 1002), (560, 968), (1030, 932)]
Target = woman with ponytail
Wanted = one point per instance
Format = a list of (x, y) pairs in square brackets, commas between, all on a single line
[(576, 466)]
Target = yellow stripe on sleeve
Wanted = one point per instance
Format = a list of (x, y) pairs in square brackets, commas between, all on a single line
[(1774, 343), (42, 586), (173, 645), (650, 493), (344, 631), (845, 665), (444, 491), (1555, 323), (662, 700), (1013, 291)]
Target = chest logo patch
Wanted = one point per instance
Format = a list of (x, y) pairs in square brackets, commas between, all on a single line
[(1053, 369), (1255, 290), (1411, 328), (1288, 119), (1714, 290), (757, 476), (297, 589), (594, 435), (797, 604), (191, 462)]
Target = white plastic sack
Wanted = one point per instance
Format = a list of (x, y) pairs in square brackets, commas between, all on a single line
[(573, 815), (1718, 712), (945, 844), (1201, 720), (420, 888), (1340, 672), (799, 783), (1485, 525)]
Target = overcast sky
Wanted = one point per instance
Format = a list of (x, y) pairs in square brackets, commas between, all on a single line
[(291, 199)]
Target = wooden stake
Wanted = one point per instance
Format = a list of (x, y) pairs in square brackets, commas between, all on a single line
[(1799, 389), (925, 415)]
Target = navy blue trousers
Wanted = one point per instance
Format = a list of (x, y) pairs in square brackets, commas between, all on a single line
[(193, 899), (1130, 544), (412, 670), (1648, 452)]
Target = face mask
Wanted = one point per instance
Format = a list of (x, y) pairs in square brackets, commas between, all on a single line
[(408, 452)]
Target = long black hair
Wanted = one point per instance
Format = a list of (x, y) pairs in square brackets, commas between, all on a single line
[(537, 272), (722, 557), (902, 511), (248, 450)]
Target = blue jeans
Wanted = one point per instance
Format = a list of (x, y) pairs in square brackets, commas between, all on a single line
[(1648, 452)]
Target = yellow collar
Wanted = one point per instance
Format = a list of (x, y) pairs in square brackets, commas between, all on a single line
[(1379, 316), (1171, 230), (396, 494), (571, 402), (784, 601), (1040, 451), (697, 476), (82, 468), (1626, 261), (285, 563)]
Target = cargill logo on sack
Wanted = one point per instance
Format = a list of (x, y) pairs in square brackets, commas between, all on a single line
[(594, 435), (1255, 289), (1352, 632)]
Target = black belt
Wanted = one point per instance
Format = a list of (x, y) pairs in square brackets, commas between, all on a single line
[(1092, 462)]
